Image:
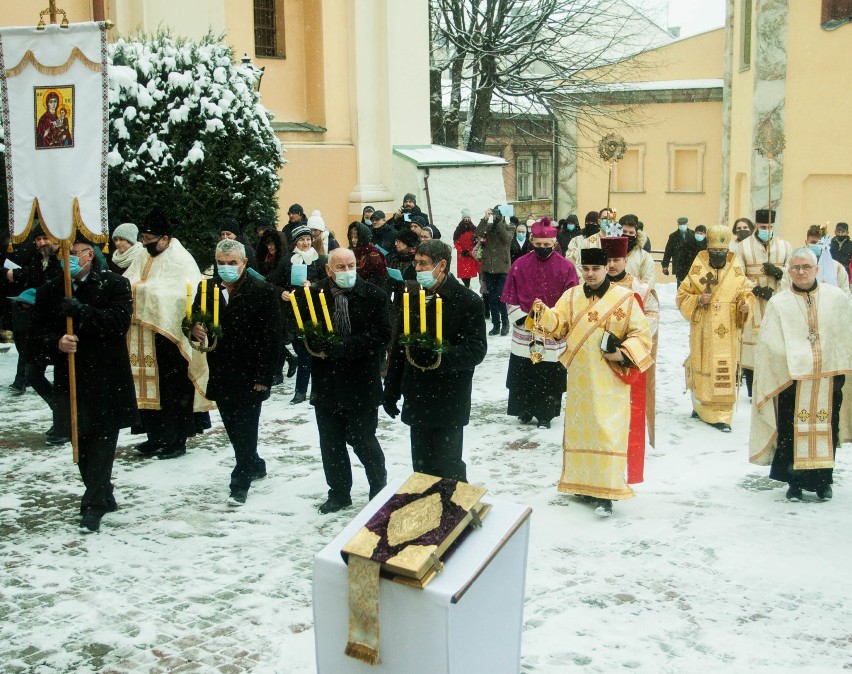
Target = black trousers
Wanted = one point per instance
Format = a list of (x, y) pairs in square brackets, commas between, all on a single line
[(96, 456), (241, 419), (748, 375), (173, 423), (438, 451), (337, 427)]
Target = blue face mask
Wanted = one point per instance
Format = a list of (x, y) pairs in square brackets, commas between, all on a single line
[(682, 228), (345, 279), (700, 237), (73, 265), (816, 248), (369, 223), (764, 234), (570, 228), (521, 238), (426, 279), (228, 272)]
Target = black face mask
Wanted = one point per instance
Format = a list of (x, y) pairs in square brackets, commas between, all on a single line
[(543, 253), (841, 237), (631, 242), (743, 234), (152, 248), (718, 260), (592, 228)]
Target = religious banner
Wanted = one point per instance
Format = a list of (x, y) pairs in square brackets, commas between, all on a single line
[(55, 115)]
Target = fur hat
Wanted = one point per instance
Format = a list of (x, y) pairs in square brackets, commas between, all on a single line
[(762, 217), (615, 246), (593, 256), (156, 223), (127, 231), (316, 221)]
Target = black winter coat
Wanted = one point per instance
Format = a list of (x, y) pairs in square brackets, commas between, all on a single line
[(676, 252), (440, 398), (248, 350), (106, 397), (352, 380)]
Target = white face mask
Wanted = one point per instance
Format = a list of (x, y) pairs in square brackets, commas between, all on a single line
[(345, 279)]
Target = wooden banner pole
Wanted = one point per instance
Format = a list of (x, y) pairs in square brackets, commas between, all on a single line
[(72, 370)]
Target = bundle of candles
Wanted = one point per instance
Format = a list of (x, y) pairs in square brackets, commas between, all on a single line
[(439, 315), (203, 308), (311, 310)]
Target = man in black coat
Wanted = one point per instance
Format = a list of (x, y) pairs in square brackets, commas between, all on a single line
[(841, 245), (100, 306), (676, 250), (383, 234), (437, 399), (245, 359), (347, 385)]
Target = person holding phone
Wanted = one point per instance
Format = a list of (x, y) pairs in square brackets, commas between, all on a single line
[(497, 236)]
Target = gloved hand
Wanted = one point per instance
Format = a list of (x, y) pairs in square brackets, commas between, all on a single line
[(762, 292), (71, 306), (390, 407), (319, 343), (465, 253), (771, 270), (422, 356), (665, 271)]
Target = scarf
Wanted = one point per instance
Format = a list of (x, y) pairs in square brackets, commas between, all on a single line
[(304, 257), (124, 259), (340, 318)]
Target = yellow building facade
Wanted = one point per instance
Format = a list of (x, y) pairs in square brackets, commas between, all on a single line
[(346, 80), (673, 163)]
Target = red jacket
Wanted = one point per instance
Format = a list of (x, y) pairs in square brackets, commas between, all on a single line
[(468, 267)]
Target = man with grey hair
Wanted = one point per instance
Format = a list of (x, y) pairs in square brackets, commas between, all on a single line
[(437, 387), (802, 358), (244, 361)]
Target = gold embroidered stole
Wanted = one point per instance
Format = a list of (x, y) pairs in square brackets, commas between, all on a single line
[(610, 312)]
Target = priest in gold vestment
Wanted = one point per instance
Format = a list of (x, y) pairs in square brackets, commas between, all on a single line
[(607, 340), (803, 356), (716, 298)]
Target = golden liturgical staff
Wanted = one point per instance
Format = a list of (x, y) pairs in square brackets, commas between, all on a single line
[(716, 298)]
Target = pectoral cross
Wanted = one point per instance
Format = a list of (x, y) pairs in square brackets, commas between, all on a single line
[(709, 281)]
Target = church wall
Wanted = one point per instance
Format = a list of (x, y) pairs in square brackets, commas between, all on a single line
[(742, 145)]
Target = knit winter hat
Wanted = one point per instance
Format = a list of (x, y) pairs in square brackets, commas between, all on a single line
[(316, 221), (127, 231), (409, 197), (465, 212)]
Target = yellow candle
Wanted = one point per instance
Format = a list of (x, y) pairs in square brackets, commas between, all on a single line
[(311, 309), (203, 295), (422, 310), (215, 306), (406, 314), (439, 319), (325, 312), (188, 301), (296, 311)]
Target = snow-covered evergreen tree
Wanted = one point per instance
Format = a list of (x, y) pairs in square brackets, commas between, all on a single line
[(188, 133)]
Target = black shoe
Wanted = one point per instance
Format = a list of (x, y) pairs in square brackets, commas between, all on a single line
[(725, 428), (605, 508), (148, 447), (237, 498), (258, 474), (335, 503), (292, 364), (298, 398), (17, 389), (794, 493), (375, 490), (495, 330), (90, 523), (525, 418), (504, 330), (172, 453), (278, 379), (694, 414), (57, 440), (825, 494), (543, 423)]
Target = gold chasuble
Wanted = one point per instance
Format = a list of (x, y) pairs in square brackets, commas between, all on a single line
[(597, 409), (159, 306), (752, 254), (804, 339), (714, 334)]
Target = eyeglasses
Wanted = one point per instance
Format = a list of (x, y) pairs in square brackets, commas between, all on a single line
[(798, 268)]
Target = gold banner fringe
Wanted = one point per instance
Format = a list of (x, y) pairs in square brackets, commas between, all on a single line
[(76, 224), (362, 653), (30, 59)]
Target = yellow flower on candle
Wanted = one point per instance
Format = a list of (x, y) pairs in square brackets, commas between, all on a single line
[(296, 311), (406, 314), (203, 295), (422, 310), (188, 301), (311, 309), (215, 306), (439, 319), (325, 312)]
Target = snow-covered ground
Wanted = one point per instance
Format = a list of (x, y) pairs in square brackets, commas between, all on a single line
[(709, 569)]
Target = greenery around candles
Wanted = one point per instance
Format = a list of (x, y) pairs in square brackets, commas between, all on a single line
[(205, 318), (317, 331), (423, 340)]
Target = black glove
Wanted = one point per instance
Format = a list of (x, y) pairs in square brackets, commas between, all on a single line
[(71, 306), (762, 292), (391, 408), (422, 356), (665, 271), (465, 253), (771, 270)]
